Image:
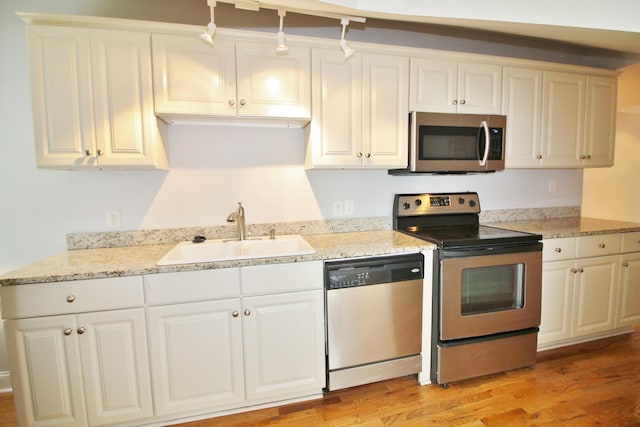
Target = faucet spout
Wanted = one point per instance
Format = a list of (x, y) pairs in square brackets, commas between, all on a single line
[(238, 217)]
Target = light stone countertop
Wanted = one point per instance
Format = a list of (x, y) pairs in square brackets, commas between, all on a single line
[(552, 228), (136, 260)]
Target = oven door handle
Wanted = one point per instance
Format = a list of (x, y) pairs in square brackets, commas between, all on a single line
[(485, 126)]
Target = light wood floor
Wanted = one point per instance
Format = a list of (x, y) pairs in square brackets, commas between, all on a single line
[(589, 384)]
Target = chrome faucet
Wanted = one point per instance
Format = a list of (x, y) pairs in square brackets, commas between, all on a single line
[(238, 217)]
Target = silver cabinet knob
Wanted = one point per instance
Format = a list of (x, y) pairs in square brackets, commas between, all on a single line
[(581, 270), (359, 155), (455, 102), (574, 270), (82, 330), (247, 312), (368, 155), (87, 152), (99, 153), (583, 157), (539, 157), (558, 250), (625, 264), (243, 102), (602, 246), (588, 156), (232, 102), (235, 313), (462, 101), (68, 331), (71, 298)]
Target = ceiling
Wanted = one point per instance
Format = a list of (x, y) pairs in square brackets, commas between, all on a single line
[(603, 24)]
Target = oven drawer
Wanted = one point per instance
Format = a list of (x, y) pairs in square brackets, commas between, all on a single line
[(558, 249), (601, 244)]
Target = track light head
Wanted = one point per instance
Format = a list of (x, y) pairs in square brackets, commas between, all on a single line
[(282, 47), (207, 36), (346, 49)]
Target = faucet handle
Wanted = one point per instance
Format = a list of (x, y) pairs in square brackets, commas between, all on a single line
[(272, 234)]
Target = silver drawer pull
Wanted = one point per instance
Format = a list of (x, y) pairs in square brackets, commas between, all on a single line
[(625, 264), (602, 245), (558, 250), (71, 298), (68, 331), (581, 270), (235, 313), (82, 330), (574, 270), (247, 312)]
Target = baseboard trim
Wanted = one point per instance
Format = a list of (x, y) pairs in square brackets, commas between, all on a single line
[(5, 382)]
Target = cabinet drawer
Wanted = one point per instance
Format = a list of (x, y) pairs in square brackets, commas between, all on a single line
[(631, 242), (602, 244), (191, 286), (78, 296), (558, 249), (263, 279)]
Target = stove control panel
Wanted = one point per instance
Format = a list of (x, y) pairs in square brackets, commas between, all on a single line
[(436, 204)]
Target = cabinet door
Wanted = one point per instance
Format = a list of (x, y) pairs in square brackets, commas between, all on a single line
[(562, 119), (600, 123), (191, 77), (272, 85), (433, 85), (385, 118), (595, 295), (557, 301), (45, 370), (115, 367), (196, 355), (522, 104), (335, 133), (284, 344), (60, 69), (123, 98), (629, 291), (479, 88)]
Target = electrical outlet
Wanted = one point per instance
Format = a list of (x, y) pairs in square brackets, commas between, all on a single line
[(349, 207), (338, 209), (113, 219), (553, 186)]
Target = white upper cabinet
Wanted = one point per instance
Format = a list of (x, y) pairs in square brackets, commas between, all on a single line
[(600, 122), (230, 80), (441, 85), (92, 99), (360, 111), (558, 119)]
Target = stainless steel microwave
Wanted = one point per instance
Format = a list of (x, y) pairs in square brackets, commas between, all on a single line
[(456, 143)]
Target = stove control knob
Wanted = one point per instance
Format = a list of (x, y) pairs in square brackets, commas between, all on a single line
[(418, 202), (461, 200), (472, 203), (406, 205)]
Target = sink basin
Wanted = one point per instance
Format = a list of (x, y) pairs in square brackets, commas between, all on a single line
[(227, 250)]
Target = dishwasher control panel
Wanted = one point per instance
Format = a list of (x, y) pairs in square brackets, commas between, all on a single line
[(371, 271)]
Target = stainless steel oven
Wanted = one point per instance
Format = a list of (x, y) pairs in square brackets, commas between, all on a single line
[(487, 285)]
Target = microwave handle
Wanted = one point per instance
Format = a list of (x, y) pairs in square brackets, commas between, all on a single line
[(487, 143)]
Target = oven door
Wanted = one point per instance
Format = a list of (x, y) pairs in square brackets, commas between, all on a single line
[(488, 294)]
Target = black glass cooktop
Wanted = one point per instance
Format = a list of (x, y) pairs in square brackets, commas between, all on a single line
[(455, 236)]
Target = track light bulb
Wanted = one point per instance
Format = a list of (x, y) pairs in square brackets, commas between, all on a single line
[(348, 52), (282, 45)]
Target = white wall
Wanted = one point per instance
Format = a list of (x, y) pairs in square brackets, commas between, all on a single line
[(612, 193)]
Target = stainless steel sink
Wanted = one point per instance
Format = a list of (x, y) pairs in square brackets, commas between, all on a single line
[(227, 250)]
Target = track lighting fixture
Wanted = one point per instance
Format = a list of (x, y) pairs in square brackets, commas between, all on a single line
[(282, 45), (346, 49), (207, 36)]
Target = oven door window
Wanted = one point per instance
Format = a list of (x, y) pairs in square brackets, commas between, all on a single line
[(490, 289)]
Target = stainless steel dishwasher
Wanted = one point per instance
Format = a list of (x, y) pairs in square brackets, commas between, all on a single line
[(374, 319)]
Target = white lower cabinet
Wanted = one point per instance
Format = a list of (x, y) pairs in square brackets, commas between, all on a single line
[(230, 338), (79, 369), (587, 290), (629, 292)]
